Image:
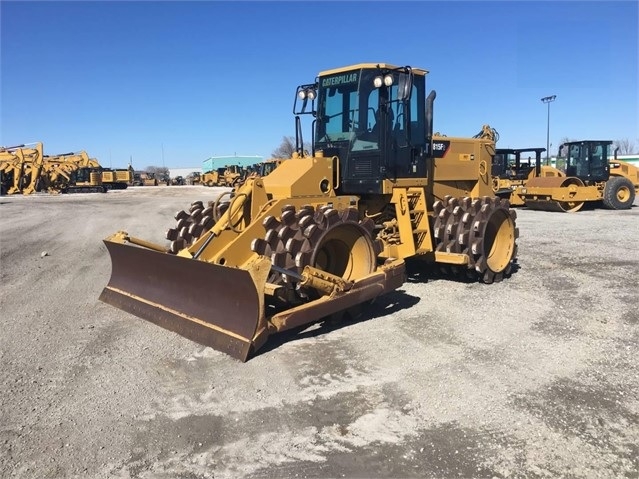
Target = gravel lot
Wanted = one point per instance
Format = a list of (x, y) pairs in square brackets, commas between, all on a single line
[(536, 376)]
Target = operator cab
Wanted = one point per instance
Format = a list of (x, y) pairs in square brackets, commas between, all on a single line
[(509, 164), (372, 117), (587, 160)]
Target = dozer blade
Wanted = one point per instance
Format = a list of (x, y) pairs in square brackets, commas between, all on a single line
[(216, 306)]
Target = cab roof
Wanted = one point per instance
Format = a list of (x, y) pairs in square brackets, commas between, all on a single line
[(416, 71)]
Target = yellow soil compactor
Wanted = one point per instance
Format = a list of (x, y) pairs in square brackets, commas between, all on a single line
[(589, 177), (327, 231), (510, 170)]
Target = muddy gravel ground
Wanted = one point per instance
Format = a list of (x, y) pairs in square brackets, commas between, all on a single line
[(536, 376)]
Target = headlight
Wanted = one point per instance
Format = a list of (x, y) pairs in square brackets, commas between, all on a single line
[(377, 82), (388, 80), (309, 93)]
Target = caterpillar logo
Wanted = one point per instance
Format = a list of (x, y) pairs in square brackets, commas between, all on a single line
[(340, 80)]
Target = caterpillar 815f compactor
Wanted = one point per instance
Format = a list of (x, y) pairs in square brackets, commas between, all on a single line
[(589, 176), (325, 231)]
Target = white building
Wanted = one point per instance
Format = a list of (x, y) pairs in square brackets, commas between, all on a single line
[(184, 172)]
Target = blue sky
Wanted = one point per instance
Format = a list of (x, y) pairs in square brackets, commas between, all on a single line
[(196, 79)]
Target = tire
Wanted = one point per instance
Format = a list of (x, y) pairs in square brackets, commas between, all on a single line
[(334, 241), (482, 228), (619, 193)]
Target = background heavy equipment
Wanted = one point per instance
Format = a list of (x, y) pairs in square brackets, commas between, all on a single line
[(230, 176), (510, 171), (20, 167), (178, 181), (212, 178), (73, 172), (117, 179), (589, 177), (149, 179), (27, 170), (194, 178), (266, 167), (86, 179), (328, 231), (233, 175), (164, 178)]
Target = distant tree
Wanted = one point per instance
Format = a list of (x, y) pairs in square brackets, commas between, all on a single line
[(626, 146), (157, 170), (287, 148), (565, 139)]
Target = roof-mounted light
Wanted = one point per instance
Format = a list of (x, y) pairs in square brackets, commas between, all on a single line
[(388, 80), (308, 93)]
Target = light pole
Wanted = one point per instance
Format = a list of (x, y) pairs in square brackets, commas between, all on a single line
[(548, 100)]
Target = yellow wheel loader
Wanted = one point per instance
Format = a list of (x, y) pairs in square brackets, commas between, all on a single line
[(267, 166), (233, 175), (214, 177), (589, 177), (327, 231)]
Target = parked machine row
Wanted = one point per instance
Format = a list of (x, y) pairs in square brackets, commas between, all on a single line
[(234, 175), (25, 169)]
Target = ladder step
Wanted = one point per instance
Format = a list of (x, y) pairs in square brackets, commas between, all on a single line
[(419, 231)]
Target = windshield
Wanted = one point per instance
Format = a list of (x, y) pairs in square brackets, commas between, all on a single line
[(352, 109), (341, 105), (587, 159)]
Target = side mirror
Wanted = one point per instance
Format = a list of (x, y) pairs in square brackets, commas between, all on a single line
[(405, 86)]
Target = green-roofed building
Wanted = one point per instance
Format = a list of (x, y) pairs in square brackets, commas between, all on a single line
[(215, 162)]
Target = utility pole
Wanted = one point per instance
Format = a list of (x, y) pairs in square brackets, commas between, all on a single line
[(548, 100)]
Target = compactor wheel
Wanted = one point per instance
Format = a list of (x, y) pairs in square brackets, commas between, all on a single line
[(558, 206), (330, 240), (191, 225), (619, 193), (483, 229), (570, 206)]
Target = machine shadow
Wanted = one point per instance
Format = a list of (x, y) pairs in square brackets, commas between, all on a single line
[(382, 306), (416, 272), (419, 272)]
